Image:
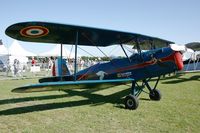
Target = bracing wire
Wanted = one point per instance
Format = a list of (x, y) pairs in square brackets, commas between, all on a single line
[(94, 44), (71, 51), (114, 49), (129, 49), (86, 51)]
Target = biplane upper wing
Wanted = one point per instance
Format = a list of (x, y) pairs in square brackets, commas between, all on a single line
[(66, 34)]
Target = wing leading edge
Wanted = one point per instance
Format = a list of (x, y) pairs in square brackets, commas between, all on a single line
[(46, 32)]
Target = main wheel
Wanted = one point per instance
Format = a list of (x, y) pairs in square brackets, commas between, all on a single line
[(155, 95), (131, 102)]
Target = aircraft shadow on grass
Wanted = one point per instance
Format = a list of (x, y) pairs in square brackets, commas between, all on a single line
[(27, 99), (92, 99), (169, 77), (181, 79)]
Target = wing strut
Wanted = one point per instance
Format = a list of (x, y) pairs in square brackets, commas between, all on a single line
[(125, 52), (138, 48), (61, 56), (152, 44), (75, 62)]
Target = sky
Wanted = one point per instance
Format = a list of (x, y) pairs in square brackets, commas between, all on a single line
[(174, 20)]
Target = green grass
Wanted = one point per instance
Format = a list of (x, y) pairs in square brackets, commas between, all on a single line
[(97, 110)]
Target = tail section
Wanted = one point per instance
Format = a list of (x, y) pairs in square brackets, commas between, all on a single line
[(60, 70)]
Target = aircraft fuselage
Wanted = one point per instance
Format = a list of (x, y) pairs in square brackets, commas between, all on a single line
[(149, 64)]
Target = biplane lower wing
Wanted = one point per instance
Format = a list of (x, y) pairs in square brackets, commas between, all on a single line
[(64, 85)]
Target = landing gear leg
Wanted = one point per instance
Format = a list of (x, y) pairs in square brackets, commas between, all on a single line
[(154, 94), (131, 101)]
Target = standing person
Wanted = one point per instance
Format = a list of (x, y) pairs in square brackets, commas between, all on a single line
[(15, 65), (43, 63), (8, 67), (82, 62), (50, 65), (19, 68), (33, 62)]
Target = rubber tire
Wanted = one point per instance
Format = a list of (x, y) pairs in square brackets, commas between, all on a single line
[(131, 102), (155, 95)]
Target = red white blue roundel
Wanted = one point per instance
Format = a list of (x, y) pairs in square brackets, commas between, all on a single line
[(34, 31)]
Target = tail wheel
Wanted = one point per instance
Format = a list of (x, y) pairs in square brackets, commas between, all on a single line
[(155, 95), (131, 102)]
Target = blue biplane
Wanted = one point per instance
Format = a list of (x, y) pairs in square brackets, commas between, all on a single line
[(159, 59)]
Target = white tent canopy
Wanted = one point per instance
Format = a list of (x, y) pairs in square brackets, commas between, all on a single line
[(3, 50), (16, 50), (57, 50)]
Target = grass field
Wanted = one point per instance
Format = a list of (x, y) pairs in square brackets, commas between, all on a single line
[(102, 110)]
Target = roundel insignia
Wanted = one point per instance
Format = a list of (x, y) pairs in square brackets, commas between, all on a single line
[(34, 31)]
